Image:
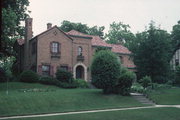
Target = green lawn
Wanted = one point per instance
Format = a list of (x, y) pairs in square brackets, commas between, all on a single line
[(167, 96), (27, 98), (141, 114)]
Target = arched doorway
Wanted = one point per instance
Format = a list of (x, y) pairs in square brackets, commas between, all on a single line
[(79, 72)]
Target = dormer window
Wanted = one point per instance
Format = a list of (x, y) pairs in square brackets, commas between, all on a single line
[(80, 51), (55, 47)]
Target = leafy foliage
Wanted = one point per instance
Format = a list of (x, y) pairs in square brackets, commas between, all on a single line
[(81, 83), (177, 78), (105, 70), (119, 33), (153, 54), (13, 12), (48, 80), (95, 30), (145, 81), (64, 76), (29, 77), (175, 35), (124, 83)]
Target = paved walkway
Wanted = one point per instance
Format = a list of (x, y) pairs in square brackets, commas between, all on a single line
[(90, 111)]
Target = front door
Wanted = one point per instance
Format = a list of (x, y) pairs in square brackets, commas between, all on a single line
[(79, 72)]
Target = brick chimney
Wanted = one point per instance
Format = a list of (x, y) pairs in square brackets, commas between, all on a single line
[(49, 25), (28, 36)]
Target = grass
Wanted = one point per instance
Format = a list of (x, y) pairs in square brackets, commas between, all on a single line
[(141, 114), (165, 96), (24, 98)]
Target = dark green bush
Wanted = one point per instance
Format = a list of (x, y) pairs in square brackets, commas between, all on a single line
[(48, 80), (64, 76), (29, 76), (81, 83), (105, 70), (145, 81), (177, 76), (3, 77), (67, 85), (124, 83)]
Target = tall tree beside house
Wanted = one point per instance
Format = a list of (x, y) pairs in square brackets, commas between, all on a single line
[(153, 54), (95, 30), (13, 12), (176, 35), (120, 33)]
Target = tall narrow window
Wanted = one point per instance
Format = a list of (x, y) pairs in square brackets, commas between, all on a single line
[(79, 51), (55, 47)]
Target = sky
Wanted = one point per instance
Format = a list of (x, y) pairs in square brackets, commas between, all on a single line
[(136, 13)]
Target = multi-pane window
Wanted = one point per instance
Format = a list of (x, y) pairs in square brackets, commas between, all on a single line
[(55, 47), (79, 51), (46, 70), (63, 67)]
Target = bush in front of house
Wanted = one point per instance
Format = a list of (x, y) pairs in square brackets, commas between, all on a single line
[(124, 83), (145, 81), (48, 80), (81, 83), (67, 85), (3, 77), (105, 70), (28, 76), (177, 76), (64, 76)]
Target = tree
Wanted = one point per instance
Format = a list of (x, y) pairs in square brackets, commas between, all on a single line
[(95, 30), (153, 55), (176, 35), (13, 12), (105, 70), (119, 33)]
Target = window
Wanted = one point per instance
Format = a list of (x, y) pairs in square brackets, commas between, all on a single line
[(33, 48), (121, 59), (79, 51), (55, 47), (64, 67), (177, 62), (46, 70)]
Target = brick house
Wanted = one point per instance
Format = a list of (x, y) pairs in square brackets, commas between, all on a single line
[(72, 51)]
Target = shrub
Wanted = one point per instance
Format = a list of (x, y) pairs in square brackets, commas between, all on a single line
[(2, 75), (105, 70), (64, 76), (124, 83), (145, 81), (28, 76), (81, 83), (177, 77), (67, 85), (136, 87), (48, 80)]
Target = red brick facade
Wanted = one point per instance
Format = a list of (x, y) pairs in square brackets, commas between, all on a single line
[(73, 51)]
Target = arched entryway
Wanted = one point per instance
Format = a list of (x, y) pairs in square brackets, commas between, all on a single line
[(80, 71)]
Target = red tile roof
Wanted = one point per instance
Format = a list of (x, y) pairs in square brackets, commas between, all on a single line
[(97, 41), (119, 49)]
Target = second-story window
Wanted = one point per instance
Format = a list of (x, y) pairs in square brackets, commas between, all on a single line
[(55, 47), (80, 51)]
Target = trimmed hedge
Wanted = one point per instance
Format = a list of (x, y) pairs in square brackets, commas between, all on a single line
[(48, 80), (64, 76), (29, 77), (105, 70), (81, 83), (124, 83)]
